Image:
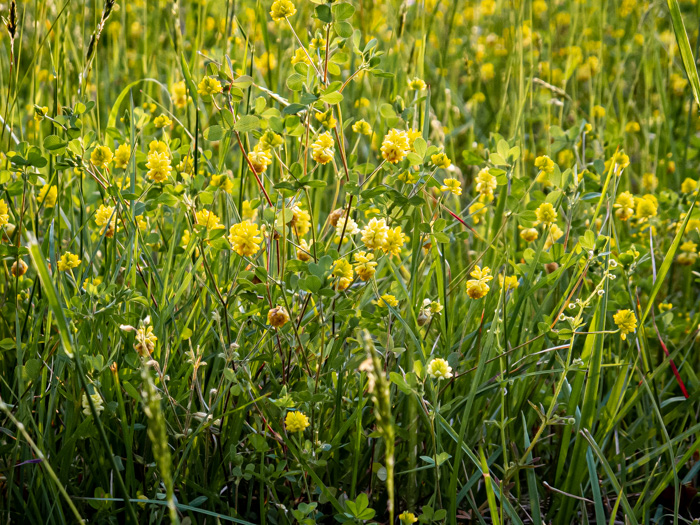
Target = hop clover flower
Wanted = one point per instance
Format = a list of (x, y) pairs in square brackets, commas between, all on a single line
[(624, 206), (245, 238), (277, 317), (322, 149), (122, 155), (158, 165), (362, 127), (68, 261), (101, 156), (451, 185), (296, 421), (395, 146), (106, 219), (4, 215), (546, 214), (416, 84), (395, 239), (96, 400), (282, 9), (485, 185), (626, 321), (365, 266), (209, 86), (47, 196), (438, 369), (342, 269), (478, 286), (388, 299), (375, 234), (440, 160)]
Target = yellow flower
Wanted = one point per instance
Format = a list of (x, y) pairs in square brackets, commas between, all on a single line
[(375, 234), (270, 140), (301, 222), (245, 238), (546, 213), (300, 56), (688, 254), (511, 282), (626, 321), (477, 211), (620, 160), (303, 251), (222, 181), (158, 166), (209, 86), (208, 219), (485, 185), (546, 167), (96, 401), (259, 158), (598, 111), (178, 93), (40, 113), (282, 9), (145, 340), (362, 127), (624, 206), (47, 195), (326, 119), (121, 156), (162, 121), (529, 234), (689, 185), (19, 268), (388, 299), (68, 261), (408, 178), (395, 240), (412, 135), (665, 307), (157, 146), (106, 219), (277, 317), (322, 149), (478, 286), (647, 207), (296, 421), (487, 72), (395, 146), (248, 213), (438, 369), (632, 127), (416, 84), (101, 156), (555, 233), (365, 266), (4, 215), (342, 269), (452, 185), (441, 160)]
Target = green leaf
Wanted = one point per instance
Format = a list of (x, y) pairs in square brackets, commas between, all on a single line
[(247, 123), (343, 11), (684, 48), (332, 98)]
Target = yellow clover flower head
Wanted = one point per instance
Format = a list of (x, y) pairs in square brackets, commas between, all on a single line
[(440, 160), (47, 196), (162, 121), (122, 155), (322, 149), (282, 9), (245, 238), (101, 156), (296, 421), (277, 316), (439, 369), (452, 185), (388, 299), (375, 234), (365, 266), (68, 261), (362, 127), (626, 321), (395, 240), (342, 269), (478, 286), (158, 164), (209, 86), (407, 518), (416, 84), (395, 146), (546, 214)]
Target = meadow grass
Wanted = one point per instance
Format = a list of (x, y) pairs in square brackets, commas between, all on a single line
[(357, 262)]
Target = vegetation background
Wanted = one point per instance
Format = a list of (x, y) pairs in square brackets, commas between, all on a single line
[(349, 261)]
